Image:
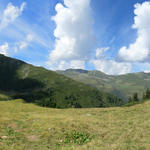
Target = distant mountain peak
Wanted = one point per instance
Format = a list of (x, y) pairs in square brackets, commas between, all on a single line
[(77, 70)]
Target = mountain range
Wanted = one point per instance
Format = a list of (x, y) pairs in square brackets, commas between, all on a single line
[(48, 88), (122, 86)]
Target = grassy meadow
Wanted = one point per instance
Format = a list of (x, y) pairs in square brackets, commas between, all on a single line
[(25, 126)]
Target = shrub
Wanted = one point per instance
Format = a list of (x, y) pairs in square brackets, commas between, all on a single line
[(77, 137)]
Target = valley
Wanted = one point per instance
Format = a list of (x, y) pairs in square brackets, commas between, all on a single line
[(122, 86)]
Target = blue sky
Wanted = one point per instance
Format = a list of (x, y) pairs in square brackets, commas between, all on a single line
[(107, 35)]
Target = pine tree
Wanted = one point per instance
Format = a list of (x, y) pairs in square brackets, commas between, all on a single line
[(147, 95), (130, 99), (135, 97)]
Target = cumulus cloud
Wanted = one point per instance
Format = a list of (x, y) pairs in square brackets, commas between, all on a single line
[(74, 37), (112, 67), (147, 71), (62, 65), (139, 50), (10, 14), (74, 40), (4, 49)]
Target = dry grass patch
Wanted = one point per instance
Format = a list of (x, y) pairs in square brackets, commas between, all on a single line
[(28, 126)]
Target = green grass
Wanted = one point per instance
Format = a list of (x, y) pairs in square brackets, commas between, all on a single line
[(4, 97), (29, 127)]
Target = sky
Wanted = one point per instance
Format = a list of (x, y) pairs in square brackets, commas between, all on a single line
[(105, 35)]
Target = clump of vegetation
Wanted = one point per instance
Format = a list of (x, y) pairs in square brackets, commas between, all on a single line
[(146, 95), (76, 137), (135, 99), (4, 97)]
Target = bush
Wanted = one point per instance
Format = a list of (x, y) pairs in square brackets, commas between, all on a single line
[(77, 137)]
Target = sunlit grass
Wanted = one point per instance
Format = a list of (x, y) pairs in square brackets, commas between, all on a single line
[(4, 97), (29, 127)]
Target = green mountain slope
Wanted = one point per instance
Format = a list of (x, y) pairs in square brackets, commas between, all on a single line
[(121, 85), (47, 88)]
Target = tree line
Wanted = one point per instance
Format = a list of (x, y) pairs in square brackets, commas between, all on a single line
[(135, 97)]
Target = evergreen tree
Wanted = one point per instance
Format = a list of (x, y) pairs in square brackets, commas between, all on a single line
[(130, 99), (147, 94), (135, 97)]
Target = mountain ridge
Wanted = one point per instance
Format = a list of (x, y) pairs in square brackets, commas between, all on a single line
[(47, 88), (123, 86), (86, 71)]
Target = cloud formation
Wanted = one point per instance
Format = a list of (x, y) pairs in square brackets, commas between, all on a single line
[(4, 49), (112, 67), (23, 44), (74, 43), (10, 14), (140, 49), (74, 38), (100, 51), (62, 65)]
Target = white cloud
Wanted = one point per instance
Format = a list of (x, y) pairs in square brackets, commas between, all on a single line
[(4, 49), (62, 65), (139, 50), (74, 38), (147, 71), (23, 44), (112, 67), (77, 64), (101, 51), (10, 14), (29, 37)]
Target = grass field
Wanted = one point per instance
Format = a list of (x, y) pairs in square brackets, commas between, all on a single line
[(29, 127)]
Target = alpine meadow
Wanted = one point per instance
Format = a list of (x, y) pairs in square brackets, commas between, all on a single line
[(74, 75)]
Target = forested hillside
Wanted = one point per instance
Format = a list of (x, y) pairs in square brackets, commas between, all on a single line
[(47, 88), (123, 86)]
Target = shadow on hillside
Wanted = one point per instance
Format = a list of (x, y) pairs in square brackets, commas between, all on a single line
[(10, 82)]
